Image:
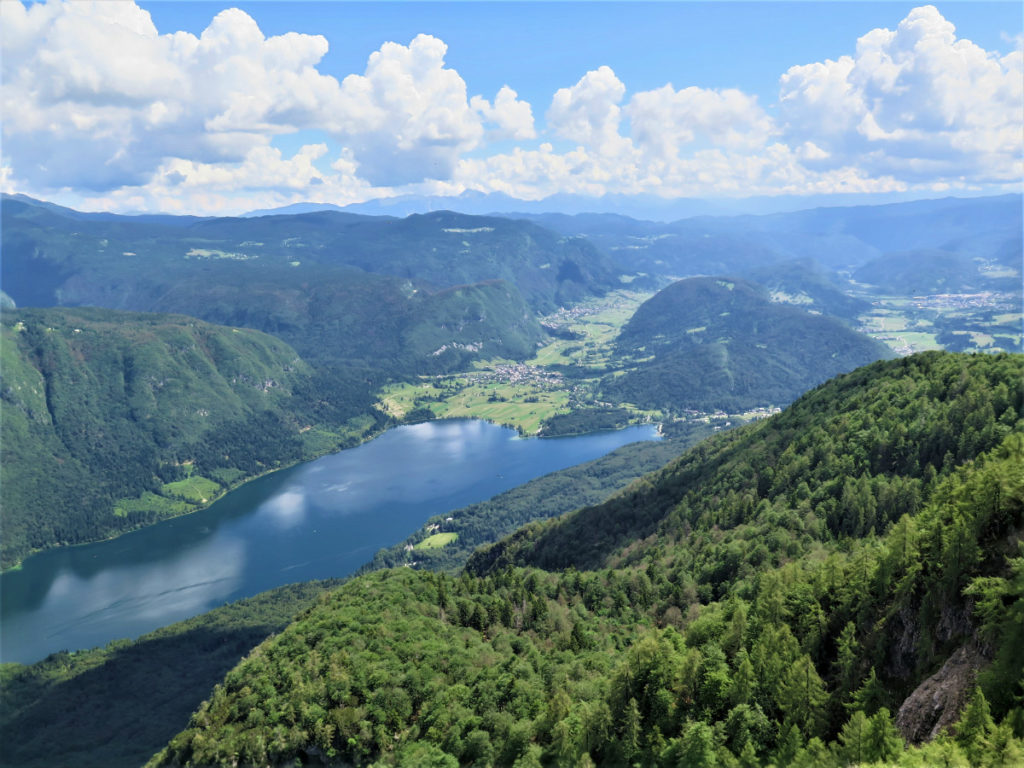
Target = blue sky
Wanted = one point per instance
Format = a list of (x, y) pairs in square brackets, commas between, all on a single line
[(203, 107)]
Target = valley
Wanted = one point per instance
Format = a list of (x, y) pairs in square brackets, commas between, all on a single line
[(801, 428), (965, 322), (560, 378), (504, 385)]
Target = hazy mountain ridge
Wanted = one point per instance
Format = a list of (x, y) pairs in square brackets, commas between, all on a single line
[(341, 288), (838, 238)]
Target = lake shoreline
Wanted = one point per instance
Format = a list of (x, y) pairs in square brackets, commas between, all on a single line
[(325, 520)]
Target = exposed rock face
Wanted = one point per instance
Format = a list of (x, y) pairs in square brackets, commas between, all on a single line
[(936, 703)]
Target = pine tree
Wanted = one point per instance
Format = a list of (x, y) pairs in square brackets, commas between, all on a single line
[(854, 740), (847, 648), (631, 730), (974, 727), (743, 680), (802, 697), (869, 697), (884, 741), (790, 744)]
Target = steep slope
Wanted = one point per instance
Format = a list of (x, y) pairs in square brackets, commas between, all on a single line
[(851, 456), (802, 660), (720, 343), (112, 420)]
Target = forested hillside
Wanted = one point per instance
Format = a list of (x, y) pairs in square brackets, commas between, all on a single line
[(848, 458), (112, 420), (424, 294), (784, 594), (709, 343)]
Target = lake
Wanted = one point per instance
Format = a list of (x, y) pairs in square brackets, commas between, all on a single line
[(324, 518)]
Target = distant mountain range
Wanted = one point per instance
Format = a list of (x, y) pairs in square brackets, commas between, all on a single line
[(425, 293), (984, 231), (644, 207)]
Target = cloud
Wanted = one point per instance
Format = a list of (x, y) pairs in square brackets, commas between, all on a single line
[(94, 98), (513, 118), (914, 106), (265, 178), (589, 113), (101, 109), (407, 118), (916, 102), (664, 121)]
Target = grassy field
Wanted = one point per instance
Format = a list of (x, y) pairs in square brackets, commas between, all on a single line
[(517, 406), (914, 324), (196, 489), (437, 541), (598, 322), (524, 395)]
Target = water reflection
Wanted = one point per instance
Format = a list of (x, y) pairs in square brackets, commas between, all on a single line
[(132, 598), (318, 520), (287, 509)]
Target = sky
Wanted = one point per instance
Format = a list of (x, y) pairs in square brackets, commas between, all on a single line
[(221, 108)]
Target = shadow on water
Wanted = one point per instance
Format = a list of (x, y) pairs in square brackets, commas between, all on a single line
[(90, 715)]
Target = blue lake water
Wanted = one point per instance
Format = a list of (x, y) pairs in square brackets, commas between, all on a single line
[(321, 519)]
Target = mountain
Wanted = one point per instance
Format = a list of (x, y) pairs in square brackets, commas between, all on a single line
[(886, 430), (652, 207), (423, 294), (986, 230), (787, 593), (109, 688), (113, 420), (294, 208), (719, 343), (928, 271), (803, 283)]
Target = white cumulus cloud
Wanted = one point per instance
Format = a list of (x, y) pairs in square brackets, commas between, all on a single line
[(407, 118), (664, 121), (512, 118), (95, 98), (917, 102), (589, 113), (101, 108)]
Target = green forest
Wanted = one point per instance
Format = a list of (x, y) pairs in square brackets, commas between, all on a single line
[(782, 594), (841, 584), (719, 343), (112, 420)]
